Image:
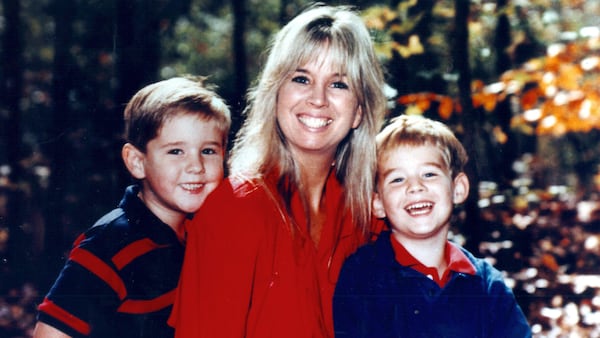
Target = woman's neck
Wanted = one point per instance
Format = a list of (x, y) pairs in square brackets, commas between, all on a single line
[(313, 176)]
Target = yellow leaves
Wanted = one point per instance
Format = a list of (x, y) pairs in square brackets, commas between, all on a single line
[(377, 17), (414, 47), (385, 23)]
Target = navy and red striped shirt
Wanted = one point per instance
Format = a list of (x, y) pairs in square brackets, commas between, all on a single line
[(120, 277)]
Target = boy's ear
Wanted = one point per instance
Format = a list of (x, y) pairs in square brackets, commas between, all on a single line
[(134, 160), (461, 188), (378, 210)]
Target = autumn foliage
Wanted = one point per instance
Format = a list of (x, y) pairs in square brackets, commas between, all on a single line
[(554, 94)]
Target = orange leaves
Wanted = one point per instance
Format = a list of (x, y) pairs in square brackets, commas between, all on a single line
[(551, 95), (418, 103), (569, 76), (486, 100), (446, 107), (530, 98), (559, 93)]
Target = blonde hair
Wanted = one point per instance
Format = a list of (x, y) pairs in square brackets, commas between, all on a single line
[(156, 103), (416, 130), (260, 146)]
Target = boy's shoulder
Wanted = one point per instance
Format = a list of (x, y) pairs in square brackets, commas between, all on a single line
[(129, 222), (373, 254), (482, 266), (108, 232)]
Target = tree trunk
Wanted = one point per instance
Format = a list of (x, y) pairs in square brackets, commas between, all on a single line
[(239, 57), (472, 122), (502, 38), (58, 151), (138, 60), (12, 48)]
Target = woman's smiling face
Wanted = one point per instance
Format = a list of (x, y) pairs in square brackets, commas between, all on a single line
[(316, 108)]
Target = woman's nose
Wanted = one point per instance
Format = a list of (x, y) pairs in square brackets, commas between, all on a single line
[(318, 95)]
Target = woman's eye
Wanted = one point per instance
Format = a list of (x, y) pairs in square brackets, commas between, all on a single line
[(340, 85), (300, 79)]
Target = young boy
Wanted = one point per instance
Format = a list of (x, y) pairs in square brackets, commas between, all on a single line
[(121, 274), (412, 282)]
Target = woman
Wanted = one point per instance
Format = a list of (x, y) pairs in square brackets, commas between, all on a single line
[(264, 252)]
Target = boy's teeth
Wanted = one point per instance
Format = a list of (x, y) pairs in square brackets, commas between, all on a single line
[(314, 122), (192, 186), (419, 208)]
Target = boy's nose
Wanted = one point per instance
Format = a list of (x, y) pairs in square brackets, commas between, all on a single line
[(196, 165), (415, 185)]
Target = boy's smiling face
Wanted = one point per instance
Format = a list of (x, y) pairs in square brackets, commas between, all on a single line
[(181, 166), (416, 192)]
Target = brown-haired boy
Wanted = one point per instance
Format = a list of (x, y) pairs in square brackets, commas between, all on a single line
[(121, 274), (413, 282)]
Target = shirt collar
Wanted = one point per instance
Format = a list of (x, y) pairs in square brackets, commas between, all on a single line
[(457, 262)]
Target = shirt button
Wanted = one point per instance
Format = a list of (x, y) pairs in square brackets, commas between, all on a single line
[(430, 277), (416, 312)]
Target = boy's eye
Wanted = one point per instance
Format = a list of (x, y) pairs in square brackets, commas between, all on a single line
[(430, 174), (300, 79), (209, 151), (175, 152), (397, 180)]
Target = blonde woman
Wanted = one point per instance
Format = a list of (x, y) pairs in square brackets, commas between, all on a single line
[(264, 252)]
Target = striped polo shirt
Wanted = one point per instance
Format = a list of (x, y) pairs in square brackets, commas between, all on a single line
[(120, 277)]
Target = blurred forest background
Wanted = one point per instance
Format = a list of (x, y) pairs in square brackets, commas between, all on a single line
[(518, 81)]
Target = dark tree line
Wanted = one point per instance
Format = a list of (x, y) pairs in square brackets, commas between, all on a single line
[(69, 67)]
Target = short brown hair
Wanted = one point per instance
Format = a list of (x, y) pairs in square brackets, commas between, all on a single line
[(416, 130), (153, 105)]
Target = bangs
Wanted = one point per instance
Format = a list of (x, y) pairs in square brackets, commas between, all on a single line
[(322, 46)]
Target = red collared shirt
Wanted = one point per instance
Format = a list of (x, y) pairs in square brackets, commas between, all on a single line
[(457, 262)]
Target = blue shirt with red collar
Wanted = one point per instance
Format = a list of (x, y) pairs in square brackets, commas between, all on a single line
[(378, 296), (456, 260)]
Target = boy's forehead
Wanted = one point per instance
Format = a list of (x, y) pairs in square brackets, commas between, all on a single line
[(180, 124), (405, 155)]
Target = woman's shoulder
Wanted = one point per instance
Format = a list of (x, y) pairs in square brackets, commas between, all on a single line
[(237, 194)]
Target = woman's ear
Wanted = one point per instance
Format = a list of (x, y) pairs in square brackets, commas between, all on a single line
[(378, 209), (357, 118), (461, 188), (134, 160)]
